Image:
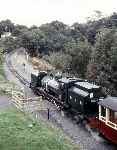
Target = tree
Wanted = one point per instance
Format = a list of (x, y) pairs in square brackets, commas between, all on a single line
[(9, 43), (7, 26), (19, 30), (59, 60), (80, 53), (104, 58)]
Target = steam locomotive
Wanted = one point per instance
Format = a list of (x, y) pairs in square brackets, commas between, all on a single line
[(74, 94)]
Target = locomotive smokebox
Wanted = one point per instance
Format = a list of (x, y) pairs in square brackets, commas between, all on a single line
[(36, 78)]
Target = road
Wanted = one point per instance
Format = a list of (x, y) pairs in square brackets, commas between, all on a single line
[(78, 133)]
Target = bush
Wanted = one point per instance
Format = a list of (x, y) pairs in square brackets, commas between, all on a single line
[(59, 60)]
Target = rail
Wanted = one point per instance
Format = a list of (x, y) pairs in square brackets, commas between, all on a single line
[(11, 68)]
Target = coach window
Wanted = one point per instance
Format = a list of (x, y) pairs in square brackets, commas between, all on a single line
[(103, 111), (75, 100), (116, 115), (111, 115), (80, 102)]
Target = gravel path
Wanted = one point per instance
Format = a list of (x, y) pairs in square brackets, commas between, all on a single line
[(78, 133), (5, 103)]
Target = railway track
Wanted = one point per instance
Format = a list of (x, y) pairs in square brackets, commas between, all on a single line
[(15, 73)]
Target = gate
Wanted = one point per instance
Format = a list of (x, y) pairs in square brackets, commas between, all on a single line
[(26, 104)]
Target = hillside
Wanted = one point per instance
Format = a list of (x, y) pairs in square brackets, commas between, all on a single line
[(86, 50)]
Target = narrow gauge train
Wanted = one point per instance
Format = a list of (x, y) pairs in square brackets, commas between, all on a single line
[(74, 94), (80, 97)]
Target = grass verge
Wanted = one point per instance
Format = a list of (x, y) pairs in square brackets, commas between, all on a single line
[(2, 75), (6, 87), (18, 132)]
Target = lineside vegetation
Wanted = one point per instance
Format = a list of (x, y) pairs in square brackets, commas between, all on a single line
[(19, 132)]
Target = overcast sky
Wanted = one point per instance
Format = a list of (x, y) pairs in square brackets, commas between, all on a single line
[(30, 12)]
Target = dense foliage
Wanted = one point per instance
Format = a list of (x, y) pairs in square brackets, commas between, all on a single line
[(87, 50)]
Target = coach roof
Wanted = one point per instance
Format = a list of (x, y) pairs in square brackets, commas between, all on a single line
[(109, 102)]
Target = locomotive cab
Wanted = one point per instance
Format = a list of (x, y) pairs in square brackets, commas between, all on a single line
[(76, 99), (83, 97)]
